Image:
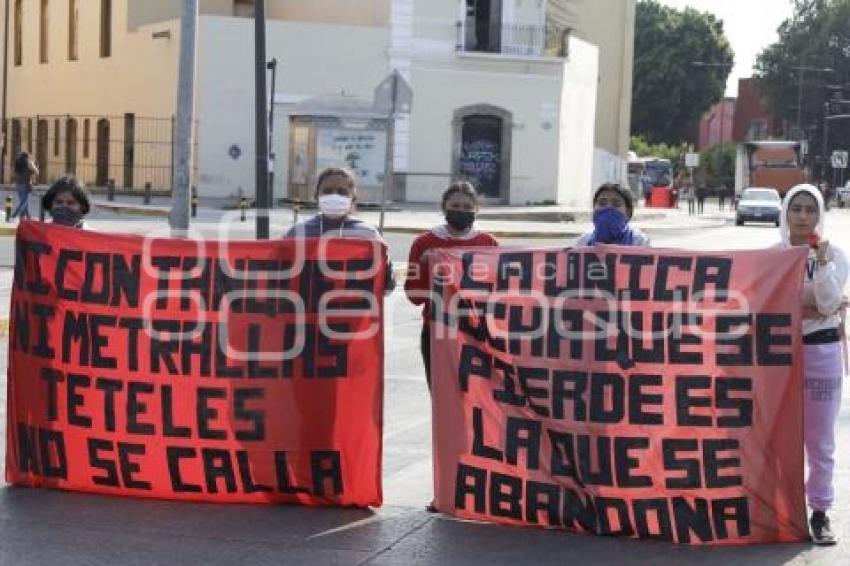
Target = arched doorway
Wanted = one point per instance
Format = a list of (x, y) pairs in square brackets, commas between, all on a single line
[(482, 150), (102, 166)]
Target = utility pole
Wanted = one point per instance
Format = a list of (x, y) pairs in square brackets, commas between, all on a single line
[(800, 104), (260, 106), (389, 156), (5, 150), (825, 147), (272, 66), (802, 69), (180, 196)]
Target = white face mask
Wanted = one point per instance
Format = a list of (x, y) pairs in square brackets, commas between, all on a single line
[(334, 205)]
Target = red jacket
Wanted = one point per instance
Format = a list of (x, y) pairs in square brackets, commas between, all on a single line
[(418, 281)]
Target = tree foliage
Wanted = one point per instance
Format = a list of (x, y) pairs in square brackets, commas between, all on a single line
[(662, 150), (717, 165), (817, 35), (670, 94)]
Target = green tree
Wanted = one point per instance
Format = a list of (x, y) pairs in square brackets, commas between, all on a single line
[(815, 36), (717, 165), (662, 150), (670, 94)]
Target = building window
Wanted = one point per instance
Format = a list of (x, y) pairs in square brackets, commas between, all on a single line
[(243, 8), (42, 147), (73, 26), (129, 149), (19, 25), (71, 147), (56, 138), (29, 136), (86, 136), (43, 31), (484, 26), (105, 28), (16, 140)]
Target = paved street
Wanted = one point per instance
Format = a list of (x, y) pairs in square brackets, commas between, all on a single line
[(41, 527)]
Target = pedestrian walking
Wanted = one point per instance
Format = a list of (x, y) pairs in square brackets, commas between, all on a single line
[(828, 196), (613, 208), (66, 202), (25, 171), (721, 197), (702, 193), (690, 195), (336, 193), (823, 371), (460, 205)]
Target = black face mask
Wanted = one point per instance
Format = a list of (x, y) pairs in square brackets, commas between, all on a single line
[(64, 216), (460, 220)]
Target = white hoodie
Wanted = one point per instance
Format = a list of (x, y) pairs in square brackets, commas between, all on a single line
[(823, 288)]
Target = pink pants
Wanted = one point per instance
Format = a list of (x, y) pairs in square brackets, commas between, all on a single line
[(822, 374)]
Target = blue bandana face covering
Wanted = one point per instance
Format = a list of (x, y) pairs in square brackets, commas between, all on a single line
[(611, 227)]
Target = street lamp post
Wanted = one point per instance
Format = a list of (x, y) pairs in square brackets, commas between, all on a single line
[(182, 176), (262, 142)]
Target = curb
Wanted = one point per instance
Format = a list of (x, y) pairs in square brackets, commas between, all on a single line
[(8, 230), (159, 212), (131, 210), (714, 224), (4, 326)]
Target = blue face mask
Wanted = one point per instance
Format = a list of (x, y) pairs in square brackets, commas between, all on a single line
[(611, 227)]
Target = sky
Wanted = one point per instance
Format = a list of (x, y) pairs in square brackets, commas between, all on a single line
[(750, 26)]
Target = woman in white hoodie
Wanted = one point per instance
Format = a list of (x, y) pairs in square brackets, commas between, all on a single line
[(823, 300)]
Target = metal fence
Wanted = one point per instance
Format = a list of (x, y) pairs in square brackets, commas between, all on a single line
[(512, 39), (128, 151)]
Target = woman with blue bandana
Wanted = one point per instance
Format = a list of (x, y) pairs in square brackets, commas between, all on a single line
[(613, 208)]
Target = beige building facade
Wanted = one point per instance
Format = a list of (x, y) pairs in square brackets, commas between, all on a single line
[(90, 94), (528, 98)]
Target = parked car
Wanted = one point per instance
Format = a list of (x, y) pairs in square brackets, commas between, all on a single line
[(759, 204), (842, 195)]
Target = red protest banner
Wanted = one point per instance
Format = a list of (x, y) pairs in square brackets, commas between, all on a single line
[(621, 391), (205, 371)]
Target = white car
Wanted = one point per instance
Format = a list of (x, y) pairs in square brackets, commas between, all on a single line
[(759, 205)]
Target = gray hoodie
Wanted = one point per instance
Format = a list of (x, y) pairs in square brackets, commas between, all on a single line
[(824, 286)]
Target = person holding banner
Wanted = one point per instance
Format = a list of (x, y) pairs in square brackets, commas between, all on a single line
[(460, 205), (336, 193), (613, 208), (823, 298), (66, 202)]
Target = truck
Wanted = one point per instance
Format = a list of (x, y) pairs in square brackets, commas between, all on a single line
[(775, 164)]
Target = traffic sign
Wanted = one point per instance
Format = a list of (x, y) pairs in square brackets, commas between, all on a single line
[(839, 159), (692, 160), (393, 95)]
